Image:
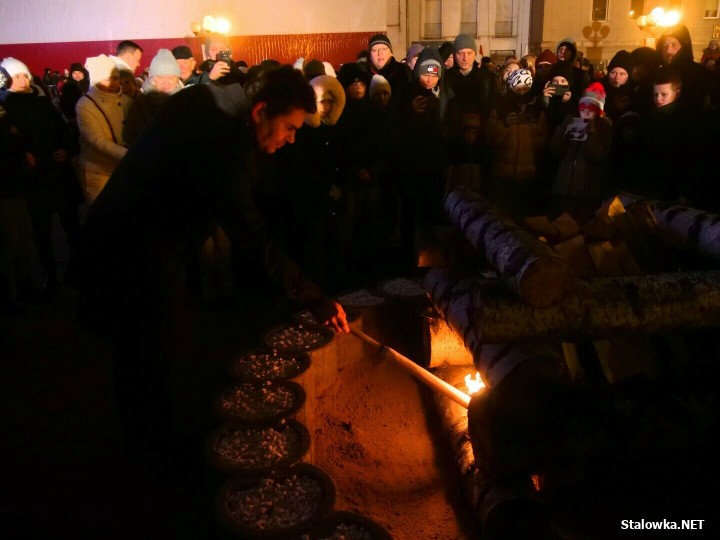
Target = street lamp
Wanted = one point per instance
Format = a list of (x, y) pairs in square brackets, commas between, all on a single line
[(209, 25), (658, 18)]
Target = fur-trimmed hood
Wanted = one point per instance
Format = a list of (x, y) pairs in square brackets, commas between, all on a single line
[(327, 85)]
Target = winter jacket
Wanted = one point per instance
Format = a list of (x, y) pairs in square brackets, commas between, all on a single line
[(101, 140), (515, 146), (582, 173), (162, 202)]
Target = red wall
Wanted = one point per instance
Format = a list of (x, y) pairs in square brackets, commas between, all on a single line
[(334, 48)]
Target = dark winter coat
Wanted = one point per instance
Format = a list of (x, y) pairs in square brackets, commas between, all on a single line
[(164, 199)]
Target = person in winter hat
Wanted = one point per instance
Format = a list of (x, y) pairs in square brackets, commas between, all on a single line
[(412, 53), (592, 104), (421, 173), (380, 90), (446, 53), (620, 68), (20, 76), (618, 84), (566, 53), (516, 134), (355, 80), (313, 68), (330, 101), (382, 62), (162, 82), (474, 87), (185, 59), (583, 145), (558, 94), (520, 81), (164, 73), (329, 69), (675, 50), (101, 115)]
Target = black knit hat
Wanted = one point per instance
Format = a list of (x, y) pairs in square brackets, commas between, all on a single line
[(379, 39), (77, 66), (313, 68), (351, 72), (563, 69), (182, 52), (445, 50), (622, 59)]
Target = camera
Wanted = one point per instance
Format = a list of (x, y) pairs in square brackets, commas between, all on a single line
[(560, 89), (224, 56)]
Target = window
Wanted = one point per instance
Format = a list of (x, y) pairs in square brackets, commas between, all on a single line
[(599, 10), (504, 18), (433, 18), (468, 17), (711, 10)]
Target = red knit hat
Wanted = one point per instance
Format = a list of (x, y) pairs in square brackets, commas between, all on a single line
[(594, 98), (546, 57)]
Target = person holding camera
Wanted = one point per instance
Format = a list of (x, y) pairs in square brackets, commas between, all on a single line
[(559, 99), (219, 65)]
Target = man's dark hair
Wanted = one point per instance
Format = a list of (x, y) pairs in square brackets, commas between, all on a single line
[(668, 76), (485, 60), (127, 46), (282, 88)]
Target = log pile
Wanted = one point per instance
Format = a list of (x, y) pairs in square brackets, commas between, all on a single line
[(540, 291)]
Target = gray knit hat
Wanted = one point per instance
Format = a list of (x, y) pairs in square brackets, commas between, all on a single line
[(465, 41), (164, 63)]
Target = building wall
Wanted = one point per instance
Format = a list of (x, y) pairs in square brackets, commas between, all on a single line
[(554, 20), (485, 28), (48, 33)]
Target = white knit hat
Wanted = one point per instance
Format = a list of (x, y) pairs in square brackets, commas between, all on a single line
[(100, 68), (329, 69), (378, 82), (164, 63), (520, 78), (14, 67)]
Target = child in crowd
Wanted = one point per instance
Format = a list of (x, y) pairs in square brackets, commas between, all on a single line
[(516, 133), (582, 144), (669, 139)]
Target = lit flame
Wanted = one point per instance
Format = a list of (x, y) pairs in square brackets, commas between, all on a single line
[(474, 385)]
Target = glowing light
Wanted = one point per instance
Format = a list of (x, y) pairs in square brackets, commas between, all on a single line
[(208, 24), (223, 26), (657, 14), (474, 385), (671, 18), (195, 27)]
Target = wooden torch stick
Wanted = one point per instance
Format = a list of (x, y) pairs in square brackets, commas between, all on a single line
[(423, 375)]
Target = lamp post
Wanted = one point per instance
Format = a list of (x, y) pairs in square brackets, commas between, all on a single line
[(209, 25), (656, 21)]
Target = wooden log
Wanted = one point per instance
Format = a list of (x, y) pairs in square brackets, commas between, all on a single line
[(484, 311), (533, 270), (687, 229)]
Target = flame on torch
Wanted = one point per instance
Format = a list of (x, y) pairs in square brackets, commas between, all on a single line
[(474, 385)]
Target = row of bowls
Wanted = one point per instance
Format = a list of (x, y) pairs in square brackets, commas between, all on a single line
[(262, 375)]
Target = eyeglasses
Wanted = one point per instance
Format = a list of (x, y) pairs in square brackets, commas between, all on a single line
[(376, 50)]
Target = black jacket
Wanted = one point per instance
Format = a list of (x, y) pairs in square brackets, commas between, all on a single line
[(164, 199)]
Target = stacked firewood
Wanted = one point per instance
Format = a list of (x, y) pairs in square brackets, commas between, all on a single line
[(560, 319)]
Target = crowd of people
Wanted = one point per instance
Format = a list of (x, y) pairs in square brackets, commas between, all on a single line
[(541, 134), (197, 181)]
